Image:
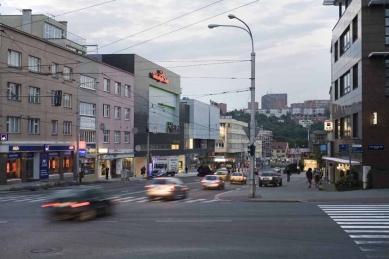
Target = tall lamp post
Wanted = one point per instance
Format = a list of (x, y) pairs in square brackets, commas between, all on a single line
[(252, 88)]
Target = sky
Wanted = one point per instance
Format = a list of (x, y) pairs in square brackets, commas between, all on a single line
[(292, 40)]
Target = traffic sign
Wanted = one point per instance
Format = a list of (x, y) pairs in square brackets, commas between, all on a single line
[(4, 137), (343, 147), (376, 147), (356, 149)]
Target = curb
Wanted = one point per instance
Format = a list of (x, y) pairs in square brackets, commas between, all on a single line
[(275, 201)]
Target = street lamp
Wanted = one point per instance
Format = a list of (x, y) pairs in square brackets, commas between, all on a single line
[(252, 88)]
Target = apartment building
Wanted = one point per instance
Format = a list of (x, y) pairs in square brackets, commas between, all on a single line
[(359, 91), (51, 92)]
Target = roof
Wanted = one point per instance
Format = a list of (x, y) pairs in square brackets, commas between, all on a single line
[(280, 145), (340, 160)]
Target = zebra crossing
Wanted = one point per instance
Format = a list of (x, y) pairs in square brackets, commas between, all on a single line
[(121, 199), (367, 225)]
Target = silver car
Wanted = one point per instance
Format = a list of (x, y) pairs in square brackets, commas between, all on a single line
[(168, 188), (212, 182)]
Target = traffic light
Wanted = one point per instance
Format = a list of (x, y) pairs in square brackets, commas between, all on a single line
[(251, 150)]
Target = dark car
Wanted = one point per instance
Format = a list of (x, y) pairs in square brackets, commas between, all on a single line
[(80, 204), (270, 178), (161, 173)]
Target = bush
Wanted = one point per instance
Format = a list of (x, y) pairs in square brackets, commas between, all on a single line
[(343, 183)]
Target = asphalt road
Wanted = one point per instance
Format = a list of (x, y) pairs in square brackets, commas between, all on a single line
[(182, 229)]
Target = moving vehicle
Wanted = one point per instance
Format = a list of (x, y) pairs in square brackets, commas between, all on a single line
[(204, 170), (212, 182), (238, 178), (270, 178), (80, 204), (168, 188), (223, 173), (160, 173), (167, 164), (277, 169)]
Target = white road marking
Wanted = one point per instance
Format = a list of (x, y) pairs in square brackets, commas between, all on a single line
[(191, 221), (359, 217), (369, 236), (217, 196), (127, 198), (209, 201), (41, 199), (360, 223), (361, 220), (372, 242), (134, 199), (366, 231), (364, 227), (196, 200), (343, 206)]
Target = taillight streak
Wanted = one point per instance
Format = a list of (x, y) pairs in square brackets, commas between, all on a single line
[(50, 204), (81, 204)]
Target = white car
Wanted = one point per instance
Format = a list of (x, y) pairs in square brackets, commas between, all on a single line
[(167, 187)]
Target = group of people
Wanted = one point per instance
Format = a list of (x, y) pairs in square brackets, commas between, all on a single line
[(315, 175)]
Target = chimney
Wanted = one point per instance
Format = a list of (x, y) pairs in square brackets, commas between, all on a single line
[(26, 20)]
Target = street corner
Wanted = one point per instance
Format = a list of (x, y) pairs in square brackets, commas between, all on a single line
[(236, 195)]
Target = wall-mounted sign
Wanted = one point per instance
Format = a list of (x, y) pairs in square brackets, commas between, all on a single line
[(117, 150), (328, 126), (159, 76), (376, 147), (15, 148), (87, 123), (4, 137), (82, 144)]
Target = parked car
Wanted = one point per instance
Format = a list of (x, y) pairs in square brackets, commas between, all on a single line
[(270, 178), (212, 182), (223, 173), (238, 178), (168, 188), (80, 204), (161, 173)]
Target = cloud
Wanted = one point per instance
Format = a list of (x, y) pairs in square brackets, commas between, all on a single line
[(292, 41)]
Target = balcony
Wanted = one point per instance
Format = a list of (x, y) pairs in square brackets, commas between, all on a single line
[(75, 38)]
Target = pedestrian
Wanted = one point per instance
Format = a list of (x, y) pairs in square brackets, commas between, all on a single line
[(107, 173), (186, 169), (288, 173), (143, 171), (309, 177), (316, 176)]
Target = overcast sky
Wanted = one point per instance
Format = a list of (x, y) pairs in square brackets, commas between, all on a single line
[(292, 41)]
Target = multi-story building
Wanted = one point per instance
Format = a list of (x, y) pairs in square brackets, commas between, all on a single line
[(256, 106), (312, 104), (274, 101), (221, 106), (233, 141), (51, 93), (359, 91), (266, 139), (280, 151)]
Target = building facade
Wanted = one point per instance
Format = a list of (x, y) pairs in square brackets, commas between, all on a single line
[(359, 91), (274, 101), (46, 88), (280, 151)]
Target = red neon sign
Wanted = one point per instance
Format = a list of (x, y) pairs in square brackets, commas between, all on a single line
[(159, 76)]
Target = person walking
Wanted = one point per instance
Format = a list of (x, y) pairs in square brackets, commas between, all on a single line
[(316, 176), (309, 177), (107, 173), (186, 169), (143, 171), (288, 173)]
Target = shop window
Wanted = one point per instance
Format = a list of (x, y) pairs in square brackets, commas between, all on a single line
[(54, 165), (13, 168)]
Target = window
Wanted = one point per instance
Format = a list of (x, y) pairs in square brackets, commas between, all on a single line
[(52, 32), (355, 125), (117, 136), (88, 109), (346, 126), (33, 126), (34, 64), (88, 136), (341, 127), (355, 76), (345, 84), (117, 88), (54, 127), (127, 90), (13, 125), (373, 118), (67, 100), (345, 41), (54, 69), (67, 73), (387, 26), (336, 90), (355, 28), (336, 51), (53, 98), (67, 128), (107, 85), (127, 112), (106, 136), (14, 58), (387, 78), (336, 129), (13, 91), (87, 82), (117, 112), (33, 94), (175, 147), (219, 145), (127, 137), (106, 110)]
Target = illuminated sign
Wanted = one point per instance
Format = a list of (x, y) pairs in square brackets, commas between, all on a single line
[(82, 144), (328, 126), (4, 137), (159, 76), (15, 148)]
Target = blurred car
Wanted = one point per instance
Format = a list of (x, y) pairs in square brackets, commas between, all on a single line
[(80, 204), (161, 173), (269, 178), (204, 170), (223, 173), (277, 169), (238, 178), (212, 181), (168, 188)]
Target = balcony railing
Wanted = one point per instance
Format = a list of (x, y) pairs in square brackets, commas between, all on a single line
[(75, 38)]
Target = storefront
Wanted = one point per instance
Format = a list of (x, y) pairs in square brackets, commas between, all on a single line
[(115, 161)]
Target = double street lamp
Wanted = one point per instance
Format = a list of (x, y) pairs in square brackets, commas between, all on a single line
[(252, 88)]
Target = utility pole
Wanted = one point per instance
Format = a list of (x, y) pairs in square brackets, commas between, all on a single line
[(78, 142), (148, 149)]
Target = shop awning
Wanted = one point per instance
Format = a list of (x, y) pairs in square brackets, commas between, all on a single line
[(340, 160), (378, 54)]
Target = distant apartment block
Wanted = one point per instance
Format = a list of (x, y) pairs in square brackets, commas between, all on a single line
[(274, 101)]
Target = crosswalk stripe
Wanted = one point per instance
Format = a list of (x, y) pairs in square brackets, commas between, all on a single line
[(369, 236), (364, 227), (361, 220), (367, 222), (195, 200), (127, 198), (372, 242), (344, 206), (208, 201), (41, 199), (366, 231), (359, 217), (134, 199)]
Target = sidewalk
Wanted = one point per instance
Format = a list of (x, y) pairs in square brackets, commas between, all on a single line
[(297, 191)]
